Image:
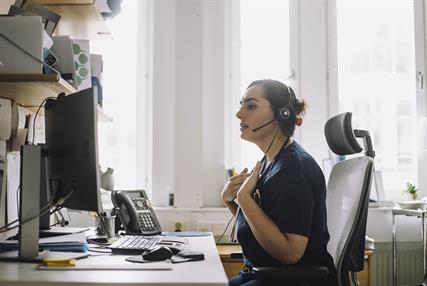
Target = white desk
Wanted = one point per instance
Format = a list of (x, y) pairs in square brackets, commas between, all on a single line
[(206, 272)]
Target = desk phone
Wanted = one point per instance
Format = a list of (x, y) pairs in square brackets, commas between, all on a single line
[(135, 212)]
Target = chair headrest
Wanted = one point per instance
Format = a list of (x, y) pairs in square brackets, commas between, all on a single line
[(340, 136)]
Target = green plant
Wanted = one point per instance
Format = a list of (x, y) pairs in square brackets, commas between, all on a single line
[(412, 190)]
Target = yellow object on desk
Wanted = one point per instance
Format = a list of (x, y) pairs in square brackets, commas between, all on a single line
[(55, 262)]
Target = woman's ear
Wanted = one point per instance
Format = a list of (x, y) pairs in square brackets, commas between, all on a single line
[(298, 121)]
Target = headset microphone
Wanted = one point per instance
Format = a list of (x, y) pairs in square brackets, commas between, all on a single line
[(262, 126)]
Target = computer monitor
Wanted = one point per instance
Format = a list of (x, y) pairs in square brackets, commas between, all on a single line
[(72, 150), (65, 167)]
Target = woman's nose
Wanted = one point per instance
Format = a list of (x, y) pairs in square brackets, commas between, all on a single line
[(239, 113)]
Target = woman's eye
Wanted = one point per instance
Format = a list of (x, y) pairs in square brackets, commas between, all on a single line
[(251, 106)]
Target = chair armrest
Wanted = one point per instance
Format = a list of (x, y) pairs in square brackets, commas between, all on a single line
[(291, 272)]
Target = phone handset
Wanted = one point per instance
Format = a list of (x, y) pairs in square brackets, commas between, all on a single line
[(135, 212), (127, 212)]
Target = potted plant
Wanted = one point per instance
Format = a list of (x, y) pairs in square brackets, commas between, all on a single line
[(412, 191), (414, 204)]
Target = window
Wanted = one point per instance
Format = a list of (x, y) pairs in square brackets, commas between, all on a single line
[(264, 52), (376, 64), (118, 139)]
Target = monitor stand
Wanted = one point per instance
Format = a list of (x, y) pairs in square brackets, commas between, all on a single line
[(29, 207), (29, 202)]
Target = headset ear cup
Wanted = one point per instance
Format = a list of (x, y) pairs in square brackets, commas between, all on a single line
[(284, 113)]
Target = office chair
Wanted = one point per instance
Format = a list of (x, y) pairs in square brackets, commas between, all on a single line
[(347, 208)]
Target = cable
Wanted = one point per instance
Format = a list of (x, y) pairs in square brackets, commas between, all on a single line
[(56, 223), (58, 208), (271, 143), (42, 211), (62, 221), (99, 244), (8, 227), (226, 227), (232, 237), (35, 117)]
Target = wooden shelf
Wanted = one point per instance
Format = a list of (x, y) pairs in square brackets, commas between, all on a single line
[(79, 21), (29, 90), (63, 2)]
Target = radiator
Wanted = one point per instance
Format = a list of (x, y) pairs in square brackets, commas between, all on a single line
[(409, 264)]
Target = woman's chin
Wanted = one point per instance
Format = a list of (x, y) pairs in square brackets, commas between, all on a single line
[(245, 137)]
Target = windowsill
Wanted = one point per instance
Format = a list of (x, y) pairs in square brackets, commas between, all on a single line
[(201, 209), (382, 206), (380, 209)]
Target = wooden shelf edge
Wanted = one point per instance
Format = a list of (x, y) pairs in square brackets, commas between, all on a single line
[(80, 22), (33, 78), (29, 77), (64, 2)]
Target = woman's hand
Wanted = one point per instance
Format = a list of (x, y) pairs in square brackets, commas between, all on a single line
[(229, 191), (249, 185)]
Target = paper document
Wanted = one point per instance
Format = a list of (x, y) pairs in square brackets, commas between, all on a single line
[(13, 256), (5, 118), (74, 237), (58, 230), (75, 242), (2, 191), (13, 171), (128, 266)]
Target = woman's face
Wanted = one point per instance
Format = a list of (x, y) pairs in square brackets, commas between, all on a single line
[(254, 112)]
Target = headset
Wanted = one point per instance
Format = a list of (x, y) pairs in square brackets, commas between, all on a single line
[(283, 114)]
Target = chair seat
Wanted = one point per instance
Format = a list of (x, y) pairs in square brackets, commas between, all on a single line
[(291, 272)]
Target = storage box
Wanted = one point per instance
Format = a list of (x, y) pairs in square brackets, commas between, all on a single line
[(28, 33)]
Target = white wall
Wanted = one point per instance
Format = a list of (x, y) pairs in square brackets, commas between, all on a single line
[(309, 48), (188, 102), (163, 99)]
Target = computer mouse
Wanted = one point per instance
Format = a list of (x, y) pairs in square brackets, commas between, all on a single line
[(158, 253), (175, 249)]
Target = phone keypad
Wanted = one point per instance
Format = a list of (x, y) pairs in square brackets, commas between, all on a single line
[(146, 221)]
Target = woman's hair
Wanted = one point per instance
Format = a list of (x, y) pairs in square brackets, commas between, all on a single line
[(282, 96)]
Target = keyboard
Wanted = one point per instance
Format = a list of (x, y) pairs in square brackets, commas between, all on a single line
[(137, 244), (134, 244)]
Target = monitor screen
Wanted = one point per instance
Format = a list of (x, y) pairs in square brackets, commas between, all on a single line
[(72, 150)]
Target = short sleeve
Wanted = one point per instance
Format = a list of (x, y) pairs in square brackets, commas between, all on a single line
[(291, 201)]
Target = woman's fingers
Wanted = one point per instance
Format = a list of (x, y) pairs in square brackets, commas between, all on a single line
[(239, 177), (238, 182)]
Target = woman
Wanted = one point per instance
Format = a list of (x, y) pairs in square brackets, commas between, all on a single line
[(280, 206)]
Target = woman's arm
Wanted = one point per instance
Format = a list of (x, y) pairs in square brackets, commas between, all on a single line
[(285, 248)]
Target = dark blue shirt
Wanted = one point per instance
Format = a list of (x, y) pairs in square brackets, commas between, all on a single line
[(292, 193)]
